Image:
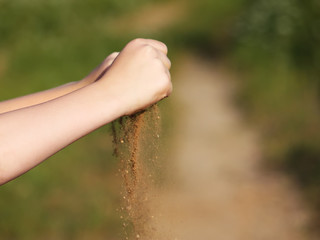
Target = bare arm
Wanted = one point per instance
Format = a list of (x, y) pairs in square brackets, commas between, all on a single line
[(138, 78), (47, 95)]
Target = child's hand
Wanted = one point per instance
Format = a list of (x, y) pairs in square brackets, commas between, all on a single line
[(139, 76), (100, 70)]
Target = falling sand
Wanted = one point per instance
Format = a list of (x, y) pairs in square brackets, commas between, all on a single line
[(136, 147), (217, 187)]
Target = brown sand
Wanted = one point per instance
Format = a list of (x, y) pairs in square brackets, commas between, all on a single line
[(135, 145)]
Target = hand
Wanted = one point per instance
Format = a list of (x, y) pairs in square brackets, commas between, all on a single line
[(99, 71), (139, 76)]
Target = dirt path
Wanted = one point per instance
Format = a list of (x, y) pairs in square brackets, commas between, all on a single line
[(220, 192)]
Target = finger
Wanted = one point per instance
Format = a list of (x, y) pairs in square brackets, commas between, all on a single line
[(109, 60), (156, 44), (168, 91), (169, 88), (168, 74), (106, 65), (164, 59), (113, 55)]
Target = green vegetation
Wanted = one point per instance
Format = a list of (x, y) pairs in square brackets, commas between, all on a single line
[(272, 44), (278, 49), (274, 47)]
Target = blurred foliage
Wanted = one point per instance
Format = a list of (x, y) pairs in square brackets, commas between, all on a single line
[(43, 36), (277, 51), (273, 45), (287, 29), (208, 27)]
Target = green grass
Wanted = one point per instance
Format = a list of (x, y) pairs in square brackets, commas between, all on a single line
[(43, 44)]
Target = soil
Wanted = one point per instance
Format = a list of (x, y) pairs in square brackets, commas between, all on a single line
[(136, 143)]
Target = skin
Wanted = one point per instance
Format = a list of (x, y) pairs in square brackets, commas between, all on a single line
[(44, 96), (34, 127)]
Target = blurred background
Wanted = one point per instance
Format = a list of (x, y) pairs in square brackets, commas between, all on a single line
[(253, 63)]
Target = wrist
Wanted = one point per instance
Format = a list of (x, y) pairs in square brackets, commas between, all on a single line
[(109, 100)]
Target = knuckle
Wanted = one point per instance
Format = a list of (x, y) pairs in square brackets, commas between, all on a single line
[(164, 47), (158, 63), (137, 41), (149, 50), (169, 63)]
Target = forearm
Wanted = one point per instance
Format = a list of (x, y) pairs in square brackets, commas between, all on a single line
[(30, 135), (137, 78), (47, 95), (39, 97)]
